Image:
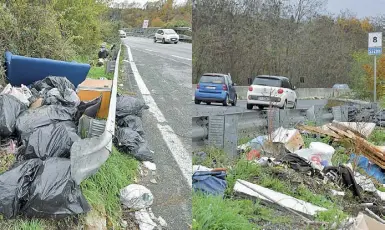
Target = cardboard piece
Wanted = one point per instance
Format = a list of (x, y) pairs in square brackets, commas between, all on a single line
[(364, 222), (291, 138), (36, 104)]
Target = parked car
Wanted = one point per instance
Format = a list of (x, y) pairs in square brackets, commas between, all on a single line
[(122, 34), (340, 86), (275, 90), (166, 36), (216, 87)]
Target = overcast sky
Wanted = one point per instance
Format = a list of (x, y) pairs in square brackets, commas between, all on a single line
[(362, 8)]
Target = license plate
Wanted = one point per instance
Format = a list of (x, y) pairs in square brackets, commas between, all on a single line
[(264, 98), (173, 39), (210, 87)]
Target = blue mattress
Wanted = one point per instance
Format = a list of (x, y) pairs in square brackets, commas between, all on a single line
[(26, 70)]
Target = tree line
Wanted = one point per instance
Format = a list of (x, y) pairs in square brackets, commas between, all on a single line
[(297, 39)]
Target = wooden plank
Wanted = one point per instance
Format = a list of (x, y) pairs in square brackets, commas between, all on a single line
[(318, 131)]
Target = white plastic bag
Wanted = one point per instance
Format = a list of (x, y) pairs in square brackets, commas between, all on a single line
[(136, 197), (22, 93), (319, 153)]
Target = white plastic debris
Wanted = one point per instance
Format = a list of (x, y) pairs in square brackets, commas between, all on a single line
[(144, 220), (22, 93), (365, 183), (149, 165), (254, 190), (136, 197), (290, 137), (197, 168), (153, 181), (162, 222), (337, 193)]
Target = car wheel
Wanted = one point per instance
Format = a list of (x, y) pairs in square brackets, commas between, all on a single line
[(234, 103), (175, 42), (197, 101), (295, 104), (163, 41), (208, 103), (154, 40), (227, 101), (261, 107), (249, 106)]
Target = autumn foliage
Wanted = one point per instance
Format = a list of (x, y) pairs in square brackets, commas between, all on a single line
[(369, 78)]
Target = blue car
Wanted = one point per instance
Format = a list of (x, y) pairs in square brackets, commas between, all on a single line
[(216, 87)]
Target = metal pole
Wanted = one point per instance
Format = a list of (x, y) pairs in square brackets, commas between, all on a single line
[(375, 80)]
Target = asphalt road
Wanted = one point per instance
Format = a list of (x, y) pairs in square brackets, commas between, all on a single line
[(165, 70), (241, 107)]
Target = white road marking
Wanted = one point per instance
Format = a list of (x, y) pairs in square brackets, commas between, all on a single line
[(164, 56), (180, 154), (149, 50), (182, 57)]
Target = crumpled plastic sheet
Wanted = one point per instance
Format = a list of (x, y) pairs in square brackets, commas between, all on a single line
[(68, 97), (131, 142), (54, 140), (10, 109), (133, 122), (23, 94), (32, 119), (126, 105), (208, 182), (51, 82), (88, 108), (135, 196)]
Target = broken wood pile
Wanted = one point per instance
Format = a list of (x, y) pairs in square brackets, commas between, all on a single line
[(340, 131)]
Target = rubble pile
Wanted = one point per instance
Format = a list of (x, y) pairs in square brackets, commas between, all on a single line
[(285, 156)]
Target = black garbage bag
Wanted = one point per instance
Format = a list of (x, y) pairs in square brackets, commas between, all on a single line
[(126, 105), (130, 142), (14, 186), (32, 119), (51, 82), (53, 193), (344, 176), (68, 97), (54, 140), (10, 109), (88, 108), (133, 122)]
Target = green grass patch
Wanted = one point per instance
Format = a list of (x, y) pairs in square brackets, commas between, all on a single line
[(216, 213), (102, 189), (215, 158), (378, 136)]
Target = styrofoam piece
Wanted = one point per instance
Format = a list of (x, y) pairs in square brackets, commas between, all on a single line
[(295, 204)]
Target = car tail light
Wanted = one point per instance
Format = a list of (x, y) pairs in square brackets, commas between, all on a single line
[(224, 87), (198, 86), (250, 88), (280, 91)]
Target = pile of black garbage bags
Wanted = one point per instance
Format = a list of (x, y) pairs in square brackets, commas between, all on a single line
[(39, 184), (129, 135)]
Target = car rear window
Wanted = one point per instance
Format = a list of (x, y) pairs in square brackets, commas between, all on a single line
[(267, 82), (212, 79)]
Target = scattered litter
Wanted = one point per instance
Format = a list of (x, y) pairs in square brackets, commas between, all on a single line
[(23, 94), (200, 168), (126, 105), (144, 220), (257, 143), (337, 193), (121, 85), (48, 83), (344, 176), (89, 108), (266, 161), (290, 137), (364, 222), (136, 197), (209, 182), (254, 190), (371, 169), (365, 183), (149, 165), (132, 122), (10, 109), (153, 181), (66, 98), (38, 103), (131, 142), (319, 153), (32, 119), (162, 222), (62, 136), (300, 164), (253, 154)]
